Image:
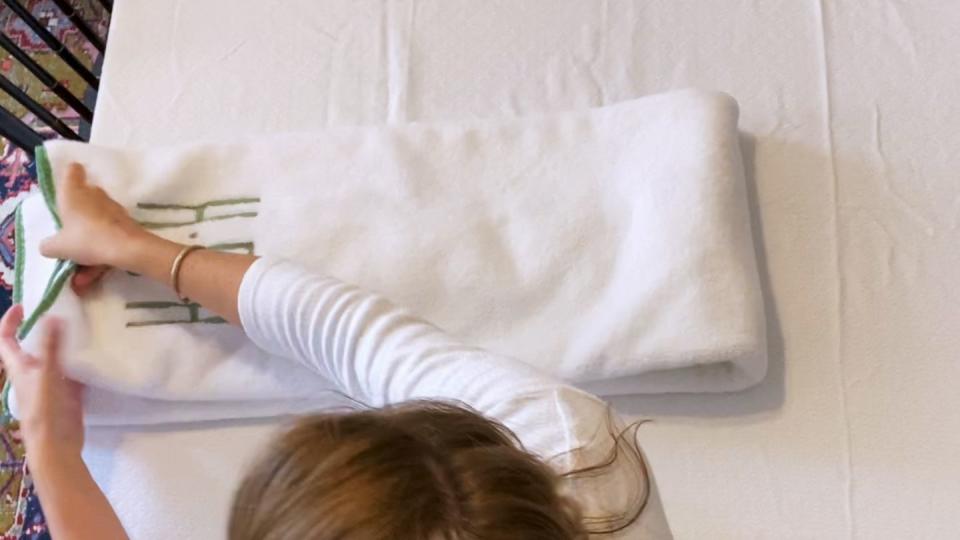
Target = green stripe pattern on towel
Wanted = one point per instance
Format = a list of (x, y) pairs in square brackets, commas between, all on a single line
[(63, 269)]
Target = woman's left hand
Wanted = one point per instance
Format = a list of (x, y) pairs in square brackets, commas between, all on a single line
[(51, 421), (50, 405)]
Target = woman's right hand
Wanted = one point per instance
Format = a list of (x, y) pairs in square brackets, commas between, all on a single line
[(97, 233)]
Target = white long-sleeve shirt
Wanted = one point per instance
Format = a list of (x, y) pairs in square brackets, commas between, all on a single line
[(379, 354)]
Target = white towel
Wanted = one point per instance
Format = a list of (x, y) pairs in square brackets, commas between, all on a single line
[(609, 246)]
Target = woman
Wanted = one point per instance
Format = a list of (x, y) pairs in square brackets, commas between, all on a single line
[(437, 458)]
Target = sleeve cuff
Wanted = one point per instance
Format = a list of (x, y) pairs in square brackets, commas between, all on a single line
[(246, 297)]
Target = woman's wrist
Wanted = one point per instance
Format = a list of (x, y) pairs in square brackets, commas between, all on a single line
[(52, 456), (147, 254), (127, 244)]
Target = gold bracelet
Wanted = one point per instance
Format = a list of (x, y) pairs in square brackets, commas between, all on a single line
[(175, 270)]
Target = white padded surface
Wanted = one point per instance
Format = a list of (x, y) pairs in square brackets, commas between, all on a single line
[(851, 113)]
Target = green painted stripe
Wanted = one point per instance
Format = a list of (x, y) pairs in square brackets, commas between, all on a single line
[(175, 224), (20, 256), (5, 415), (238, 200), (233, 246), (19, 260), (218, 202), (64, 269), (55, 286), (47, 186), (208, 320), (155, 305)]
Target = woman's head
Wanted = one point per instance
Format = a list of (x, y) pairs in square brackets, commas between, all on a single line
[(425, 471)]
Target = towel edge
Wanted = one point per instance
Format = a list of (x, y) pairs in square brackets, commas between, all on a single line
[(62, 271)]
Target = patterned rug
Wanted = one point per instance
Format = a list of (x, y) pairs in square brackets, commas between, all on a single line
[(20, 513)]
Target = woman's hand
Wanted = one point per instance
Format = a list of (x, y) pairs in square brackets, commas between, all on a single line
[(49, 404), (97, 232), (50, 407)]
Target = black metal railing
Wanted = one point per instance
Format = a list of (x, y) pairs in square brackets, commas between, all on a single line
[(20, 133)]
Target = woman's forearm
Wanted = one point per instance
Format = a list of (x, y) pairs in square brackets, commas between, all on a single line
[(73, 504), (209, 278)]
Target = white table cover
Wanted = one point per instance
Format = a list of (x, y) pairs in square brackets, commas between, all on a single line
[(851, 115)]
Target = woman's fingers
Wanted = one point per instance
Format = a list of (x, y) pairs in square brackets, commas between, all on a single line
[(9, 346), (50, 343), (76, 175), (13, 356), (53, 247), (11, 321), (71, 187), (80, 283), (86, 277)]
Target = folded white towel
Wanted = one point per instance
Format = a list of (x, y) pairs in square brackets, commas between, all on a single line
[(608, 246)]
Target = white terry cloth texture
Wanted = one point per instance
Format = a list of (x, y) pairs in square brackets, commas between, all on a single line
[(850, 114), (610, 247)]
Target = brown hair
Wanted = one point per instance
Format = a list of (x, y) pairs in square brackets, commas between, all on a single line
[(418, 471)]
